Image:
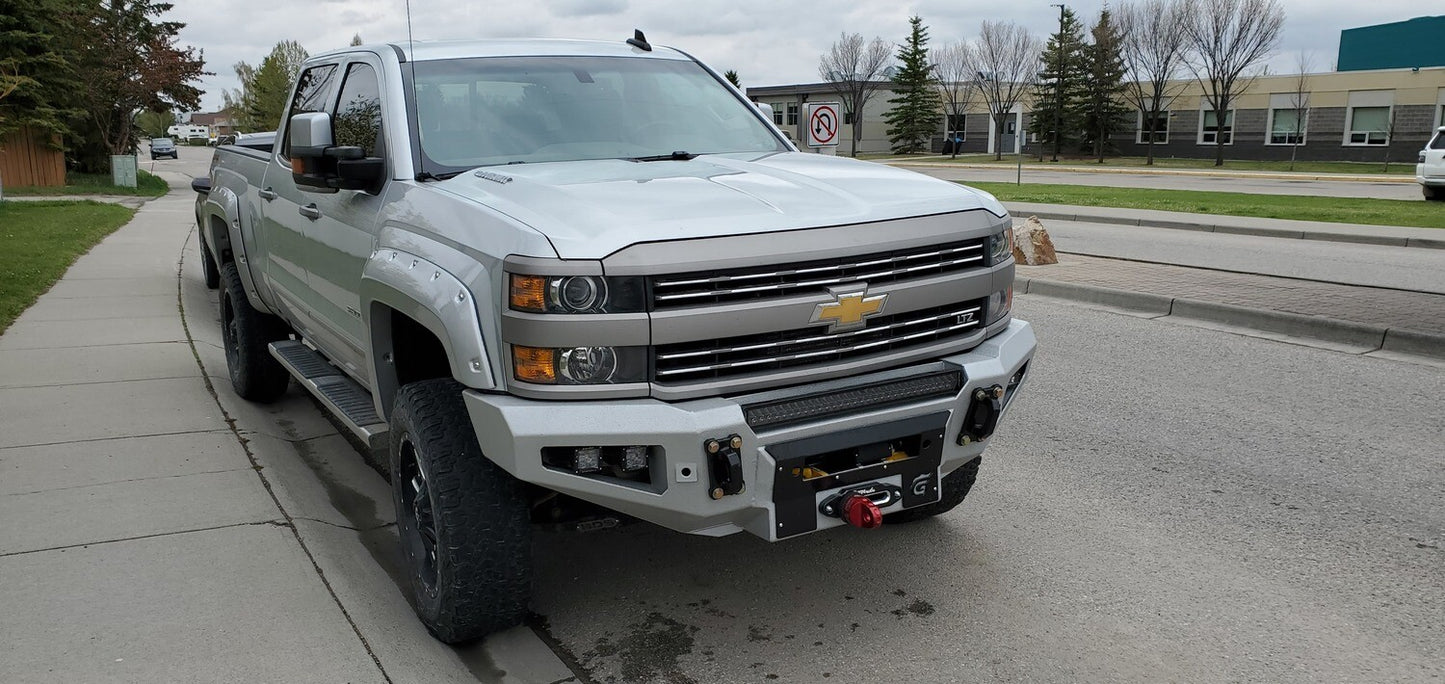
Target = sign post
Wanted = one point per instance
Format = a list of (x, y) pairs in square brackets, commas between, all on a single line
[(823, 125)]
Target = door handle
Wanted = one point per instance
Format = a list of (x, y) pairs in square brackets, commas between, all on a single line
[(268, 194), (309, 211)]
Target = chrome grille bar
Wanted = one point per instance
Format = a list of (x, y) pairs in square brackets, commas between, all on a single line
[(815, 338)]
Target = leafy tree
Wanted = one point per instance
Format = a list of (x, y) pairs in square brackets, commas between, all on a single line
[(130, 61), (261, 100), (1103, 83), (916, 112), (154, 124), (732, 77), (37, 81), (1059, 89)]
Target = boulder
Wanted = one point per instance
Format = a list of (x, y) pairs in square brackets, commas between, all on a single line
[(1032, 246)]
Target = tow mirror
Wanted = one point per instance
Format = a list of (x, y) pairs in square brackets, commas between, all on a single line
[(201, 185), (318, 165)]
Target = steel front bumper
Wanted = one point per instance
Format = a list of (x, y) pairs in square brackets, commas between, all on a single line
[(513, 431)]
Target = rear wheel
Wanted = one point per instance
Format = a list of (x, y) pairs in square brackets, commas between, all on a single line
[(463, 521), (956, 486), (1433, 193), (245, 335)]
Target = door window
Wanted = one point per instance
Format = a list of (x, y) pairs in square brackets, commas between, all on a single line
[(313, 93), (358, 112)]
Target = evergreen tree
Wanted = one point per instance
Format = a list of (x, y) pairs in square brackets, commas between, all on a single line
[(732, 77), (916, 113), (1103, 84), (38, 81), (1059, 89)]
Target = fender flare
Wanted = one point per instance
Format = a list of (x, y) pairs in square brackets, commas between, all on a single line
[(434, 298), (223, 205)]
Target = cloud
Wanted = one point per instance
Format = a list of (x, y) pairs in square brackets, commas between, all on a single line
[(766, 41)]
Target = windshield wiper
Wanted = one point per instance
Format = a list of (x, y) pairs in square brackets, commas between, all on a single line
[(678, 155), (429, 176)]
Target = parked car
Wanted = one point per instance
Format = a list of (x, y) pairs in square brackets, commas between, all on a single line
[(588, 281), (163, 147), (1430, 172)]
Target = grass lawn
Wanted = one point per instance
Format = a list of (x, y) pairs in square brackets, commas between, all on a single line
[(1303, 208), (147, 185), (1397, 166), (39, 240)]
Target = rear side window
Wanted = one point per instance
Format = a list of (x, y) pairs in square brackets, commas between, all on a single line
[(358, 113), (1439, 142)]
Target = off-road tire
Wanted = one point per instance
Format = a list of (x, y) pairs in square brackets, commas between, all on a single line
[(1433, 194), (245, 334), (209, 273), (480, 576), (955, 487)]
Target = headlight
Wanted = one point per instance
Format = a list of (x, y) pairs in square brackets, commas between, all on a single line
[(579, 365), (1001, 246), (576, 294), (999, 304)]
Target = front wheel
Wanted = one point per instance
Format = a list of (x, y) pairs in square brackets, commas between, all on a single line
[(463, 521), (956, 486)]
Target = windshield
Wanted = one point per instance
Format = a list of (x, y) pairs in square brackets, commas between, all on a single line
[(507, 110)]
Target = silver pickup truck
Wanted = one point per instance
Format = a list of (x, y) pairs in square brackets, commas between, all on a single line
[(548, 276)]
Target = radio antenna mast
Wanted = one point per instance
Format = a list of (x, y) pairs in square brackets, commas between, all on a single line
[(411, 66)]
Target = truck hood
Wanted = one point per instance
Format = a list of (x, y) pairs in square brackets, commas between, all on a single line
[(590, 209)]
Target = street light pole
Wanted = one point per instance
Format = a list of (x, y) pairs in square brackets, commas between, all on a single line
[(1059, 83)]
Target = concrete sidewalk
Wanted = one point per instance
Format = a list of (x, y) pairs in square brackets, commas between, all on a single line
[(157, 528), (1354, 319), (1396, 236)]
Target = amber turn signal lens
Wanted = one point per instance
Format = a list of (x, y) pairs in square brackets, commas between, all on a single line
[(529, 293), (532, 364)]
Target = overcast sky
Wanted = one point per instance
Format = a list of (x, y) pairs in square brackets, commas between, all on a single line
[(769, 42)]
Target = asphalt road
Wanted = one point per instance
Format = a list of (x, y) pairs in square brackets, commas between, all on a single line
[(1269, 186), (1409, 268), (193, 161), (1164, 503)]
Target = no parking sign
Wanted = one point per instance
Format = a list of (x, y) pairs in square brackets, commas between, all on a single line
[(823, 123)]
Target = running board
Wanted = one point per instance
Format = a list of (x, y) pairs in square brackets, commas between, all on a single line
[(347, 400)]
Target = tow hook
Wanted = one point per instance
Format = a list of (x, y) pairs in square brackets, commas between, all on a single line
[(981, 419), (725, 465), (861, 506)]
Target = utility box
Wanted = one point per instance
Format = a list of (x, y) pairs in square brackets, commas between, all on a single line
[(123, 170)]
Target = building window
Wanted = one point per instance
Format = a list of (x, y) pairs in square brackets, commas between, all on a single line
[(777, 112), (792, 113), (957, 127), (1161, 128), (1287, 126), (1210, 132), (1369, 126), (848, 118)]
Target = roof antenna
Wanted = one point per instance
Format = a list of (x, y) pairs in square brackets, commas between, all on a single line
[(639, 41), (411, 59)]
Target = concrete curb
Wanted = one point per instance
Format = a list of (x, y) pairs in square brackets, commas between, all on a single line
[(1371, 338), (1146, 171), (1235, 229)]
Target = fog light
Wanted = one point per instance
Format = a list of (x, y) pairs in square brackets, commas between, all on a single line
[(586, 460), (634, 458)]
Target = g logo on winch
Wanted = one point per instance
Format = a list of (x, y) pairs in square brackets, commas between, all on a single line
[(920, 484)]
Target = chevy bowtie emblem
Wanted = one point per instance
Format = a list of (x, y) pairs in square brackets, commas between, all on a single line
[(852, 304)]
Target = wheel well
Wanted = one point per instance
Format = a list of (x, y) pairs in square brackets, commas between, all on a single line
[(220, 241), (406, 351)]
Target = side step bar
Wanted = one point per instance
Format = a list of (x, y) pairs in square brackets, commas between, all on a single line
[(346, 399)]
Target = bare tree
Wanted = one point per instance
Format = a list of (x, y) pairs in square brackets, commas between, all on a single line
[(1006, 62), (1299, 100), (855, 69), (1226, 38), (1153, 53), (957, 84)]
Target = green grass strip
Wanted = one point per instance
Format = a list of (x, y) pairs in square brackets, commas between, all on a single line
[(147, 185), (1380, 212), (40, 240)]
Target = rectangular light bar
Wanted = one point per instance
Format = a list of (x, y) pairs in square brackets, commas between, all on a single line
[(853, 400)]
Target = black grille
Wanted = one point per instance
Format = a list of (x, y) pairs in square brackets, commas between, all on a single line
[(686, 362), (778, 280)]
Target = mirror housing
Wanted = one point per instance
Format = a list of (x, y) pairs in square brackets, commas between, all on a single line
[(318, 165), (201, 185)]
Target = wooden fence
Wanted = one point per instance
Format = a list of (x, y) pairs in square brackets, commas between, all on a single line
[(25, 160)]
